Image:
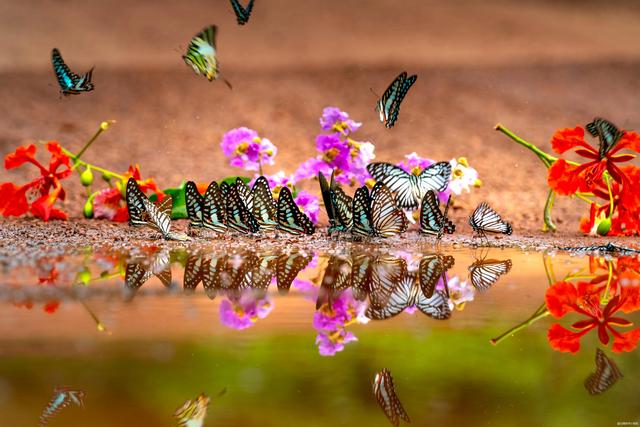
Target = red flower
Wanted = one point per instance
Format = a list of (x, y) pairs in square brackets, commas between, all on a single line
[(584, 298), (46, 189), (567, 179)]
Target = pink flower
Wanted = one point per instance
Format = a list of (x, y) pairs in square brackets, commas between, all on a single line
[(245, 312), (247, 150), (331, 343), (309, 204)]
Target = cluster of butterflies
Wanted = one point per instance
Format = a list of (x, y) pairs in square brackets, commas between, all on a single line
[(223, 207), (380, 213)]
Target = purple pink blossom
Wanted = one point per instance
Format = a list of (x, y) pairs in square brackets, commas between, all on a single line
[(245, 312), (331, 320), (309, 204), (247, 150)]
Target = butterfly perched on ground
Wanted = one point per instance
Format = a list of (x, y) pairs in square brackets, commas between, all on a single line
[(432, 219), (143, 212), (62, 397), (608, 134), (326, 189), (239, 217), (343, 210), (206, 210), (409, 188), (361, 220), (389, 105), (70, 82), (485, 220), (262, 205), (201, 54), (433, 267), (290, 218), (385, 393), (194, 202), (606, 375), (387, 219), (483, 273), (242, 13)]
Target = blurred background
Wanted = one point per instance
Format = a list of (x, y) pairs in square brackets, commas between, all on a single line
[(534, 66)]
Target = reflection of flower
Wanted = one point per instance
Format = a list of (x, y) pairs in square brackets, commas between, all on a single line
[(584, 298), (331, 320), (460, 292), (247, 150), (245, 312), (309, 204)]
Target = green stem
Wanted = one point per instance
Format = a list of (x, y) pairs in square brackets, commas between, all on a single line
[(583, 197), (546, 158), (540, 313), (548, 206), (608, 181), (77, 161), (99, 325)]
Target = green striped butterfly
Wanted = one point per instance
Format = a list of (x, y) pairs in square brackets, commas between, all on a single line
[(290, 218), (201, 54), (389, 105), (362, 226), (193, 272), (608, 134), (242, 13), (212, 274), (432, 220), (194, 203), (213, 209), (288, 266), (137, 273), (238, 216), (263, 207), (70, 82), (343, 208)]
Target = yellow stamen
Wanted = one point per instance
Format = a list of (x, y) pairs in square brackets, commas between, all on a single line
[(463, 161), (242, 147)]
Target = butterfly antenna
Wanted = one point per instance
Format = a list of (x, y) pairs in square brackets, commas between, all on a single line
[(227, 83)]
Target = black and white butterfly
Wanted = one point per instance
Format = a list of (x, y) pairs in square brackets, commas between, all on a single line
[(608, 135), (239, 217), (242, 13), (387, 219), (484, 273), (485, 220), (263, 207), (432, 220), (70, 82), (361, 275), (137, 273), (193, 272), (409, 188), (143, 212), (288, 267), (194, 202), (386, 272), (385, 393), (290, 218), (606, 375), (214, 212), (389, 105), (432, 268), (336, 279)]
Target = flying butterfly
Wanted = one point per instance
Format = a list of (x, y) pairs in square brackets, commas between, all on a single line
[(242, 13), (485, 220), (239, 217), (606, 375), (387, 219), (410, 188), (201, 54), (62, 398), (389, 105), (144, 213), (290, 218), (484, 273), (193, 412), (432, 220), (70, 82), (385, 393), (263, 206), (432, 268), (608, 134)]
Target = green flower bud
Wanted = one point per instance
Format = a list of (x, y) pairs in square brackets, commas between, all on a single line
[(84, 276), (88, 209), (86, 177), (604, 227)]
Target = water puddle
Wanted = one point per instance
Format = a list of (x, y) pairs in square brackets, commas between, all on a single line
[(157, 336)]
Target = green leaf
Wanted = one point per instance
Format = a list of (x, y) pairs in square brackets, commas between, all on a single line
[(179, 209), (232, 179)]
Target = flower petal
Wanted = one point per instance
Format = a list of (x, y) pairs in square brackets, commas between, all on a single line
[(564, 340), (566, 139), (20, 156), (627, 341), (561, 298)]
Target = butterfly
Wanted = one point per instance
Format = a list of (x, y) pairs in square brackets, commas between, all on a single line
[(213, 209), (605, 376), (432, 219), (193, 272), (386, 272), (361, 220), (325, 191), (212, 274), (242, 13), (385, 393), (263, 271), (387, 219), (290, 218), (70, 82), (201, 54), (143, 212), (194, 202), (361, 275), (409, 188), (263, 206), (336, 279), (137, 273), (608, 134), (193, 412), (238, 215), (433, 268), (485, 220), (483, 273), (288, 267), (389, 105), (62, 397)]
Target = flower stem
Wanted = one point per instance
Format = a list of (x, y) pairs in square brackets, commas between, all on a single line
[(546, 158), (103, 126), (548, 206), (537, 315), (608, 181), (79, 162)]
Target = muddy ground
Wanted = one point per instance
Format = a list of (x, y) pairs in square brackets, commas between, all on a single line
[(533, 66)]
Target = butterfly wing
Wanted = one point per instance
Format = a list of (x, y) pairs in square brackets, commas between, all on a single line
[(608, 134), (239, 218), (403, 184), (160, 215), (362, 224), (606, 375), (385, 393), (336, 279), (484, 273), (386, 272), (66, 78), (245, 193), (212, 274), (361, 276), (435, 177), (288, 267), (194, 203), (389, 105), (386, 219), (213, 209), (201, 53), (135, 204), (264, 207), (436, 306), (484, 219), (290, 218), (432, 268), (343, 209), (193, 272), (432, 220), (399, 298), (242, 14)]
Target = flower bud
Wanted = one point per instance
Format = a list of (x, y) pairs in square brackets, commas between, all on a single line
[(86, 177), (84, 276), (604, 226), (88, 209)]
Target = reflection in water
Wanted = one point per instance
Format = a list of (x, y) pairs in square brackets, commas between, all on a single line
[(137, 273), (193, 412), (605, 376), (385, 393), (62, 397), (485, 272)]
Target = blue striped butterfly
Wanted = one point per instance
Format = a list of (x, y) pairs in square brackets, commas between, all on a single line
[(385, 393), (485, 220), (212, 274), (389, 105), (263, 207), (214, 209), (409, 188), (155, 217), (343, 209), (194, 202), (290, 218), (242, 13), (201, 54), (606, 375), (70, 82), (432, 268), (193, 272), (608, 135), (62, 398), (387, 219), (239, 217), (263, 271), (362, 225), (432, 220), (288, 267), (484, 273)]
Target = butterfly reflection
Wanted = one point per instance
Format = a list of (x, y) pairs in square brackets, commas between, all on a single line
[(62, 397), (385, 393), (484, 272), (605, 376), (138, 272)]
